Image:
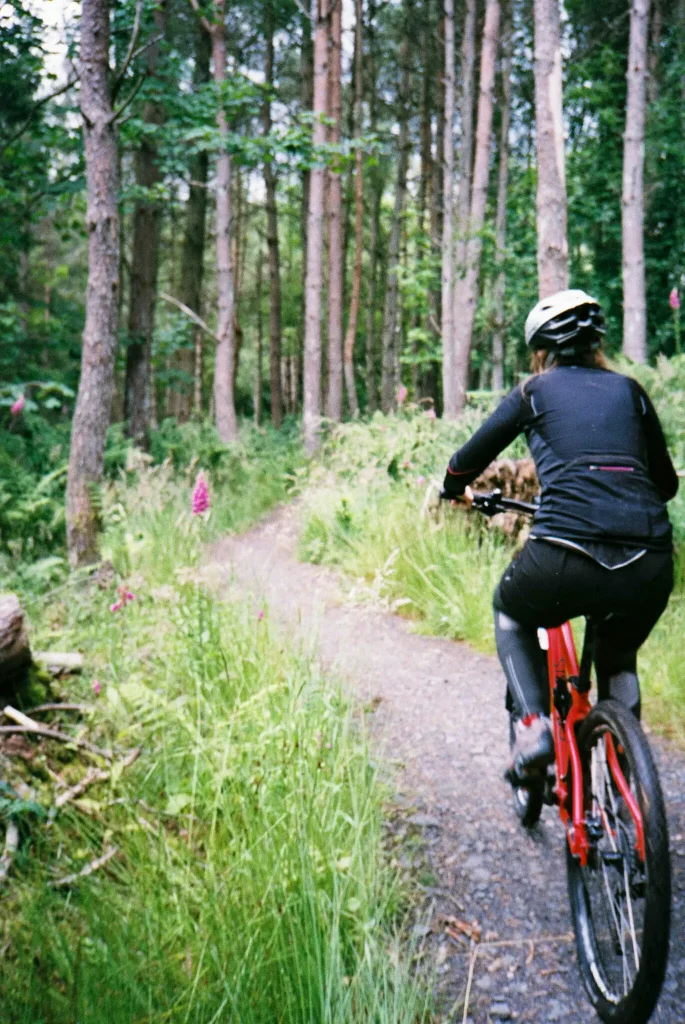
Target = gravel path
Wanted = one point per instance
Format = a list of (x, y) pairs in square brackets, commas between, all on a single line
[(438, 715)]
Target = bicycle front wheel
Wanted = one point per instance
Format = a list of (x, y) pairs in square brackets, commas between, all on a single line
[(621, 901)]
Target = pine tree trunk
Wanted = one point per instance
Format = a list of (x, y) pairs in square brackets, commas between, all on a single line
[(468, 85), (315, 215), (189, 361), (634, 289), (307, 103), (447, 293), (358, 219), (272, 240), (96, 386), (374, 227), (501, 219), (334, 397), (224, 399), (391, 324), (654, 51), (259, 378), (144, 265), (466, 288), (551, 194)]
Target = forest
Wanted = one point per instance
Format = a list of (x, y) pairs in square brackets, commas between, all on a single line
[(253, 252), (275, 251)]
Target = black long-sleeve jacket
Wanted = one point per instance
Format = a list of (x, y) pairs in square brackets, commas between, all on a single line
[(601, 458)]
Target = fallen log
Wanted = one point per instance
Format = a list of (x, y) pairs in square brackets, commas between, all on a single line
[(60, 663)]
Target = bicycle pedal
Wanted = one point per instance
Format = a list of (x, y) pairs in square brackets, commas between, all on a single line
[(517, 781)]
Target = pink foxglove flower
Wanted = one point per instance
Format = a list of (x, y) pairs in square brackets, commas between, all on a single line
[(200, 495), (420, 481), (96, 687), (18, 405), (430, 414), (125, 597), (260, 617), (402, 395), (674, 299)]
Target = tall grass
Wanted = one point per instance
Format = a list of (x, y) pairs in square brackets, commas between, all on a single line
[(251, 883)]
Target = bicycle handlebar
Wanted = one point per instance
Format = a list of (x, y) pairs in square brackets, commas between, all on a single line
[(494, 501)]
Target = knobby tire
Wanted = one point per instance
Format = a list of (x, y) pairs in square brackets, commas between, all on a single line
[(637, 896)]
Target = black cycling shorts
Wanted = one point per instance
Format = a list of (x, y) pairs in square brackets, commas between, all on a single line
[(546, 584)]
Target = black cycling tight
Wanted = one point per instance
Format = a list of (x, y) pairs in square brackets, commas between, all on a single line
[(547, 584)]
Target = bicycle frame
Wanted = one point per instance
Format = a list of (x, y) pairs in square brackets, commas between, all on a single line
[(569, 705)]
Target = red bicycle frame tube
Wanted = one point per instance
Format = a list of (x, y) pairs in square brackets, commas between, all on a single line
[(563, 666)]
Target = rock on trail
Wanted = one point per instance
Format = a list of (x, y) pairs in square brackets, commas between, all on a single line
[(438, 715)]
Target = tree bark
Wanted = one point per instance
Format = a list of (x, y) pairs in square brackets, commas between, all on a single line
[(391, 326), (272, 237), (551, 192), (374, 227), (466, 288), (224, 398), (96, 386), (501, 218), (315, 215), (307, 103), (144, 264), (189, 361), (634, 288), (258, 381), (654, 52), (468, 85), (358, 218), (334, 397), (15, 652), (447, 292)]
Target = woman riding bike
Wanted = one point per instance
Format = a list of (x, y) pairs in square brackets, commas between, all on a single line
[(600, 544)]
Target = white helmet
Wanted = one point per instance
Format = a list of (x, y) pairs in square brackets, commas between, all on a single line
[(565, 317)]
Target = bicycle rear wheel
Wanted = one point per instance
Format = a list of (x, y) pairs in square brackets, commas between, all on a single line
[(621, 901)]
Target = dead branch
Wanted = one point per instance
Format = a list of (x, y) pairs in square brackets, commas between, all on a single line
[(190, 314), (93, 775), (130, 52), (203, 20), (58, 663), (26, 724), (89, 869), (60, 707), (39, 103), (116, 114), (10, 849)]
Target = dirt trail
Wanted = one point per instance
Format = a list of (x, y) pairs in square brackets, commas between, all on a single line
[(439, 717)]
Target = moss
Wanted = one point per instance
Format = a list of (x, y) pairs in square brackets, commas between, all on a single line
[(30, 688)]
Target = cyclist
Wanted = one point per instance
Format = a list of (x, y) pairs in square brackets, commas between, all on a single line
[(600, 544)]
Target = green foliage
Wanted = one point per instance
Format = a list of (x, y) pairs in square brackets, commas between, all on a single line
[(250, 882)]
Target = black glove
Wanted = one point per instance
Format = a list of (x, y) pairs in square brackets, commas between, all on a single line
[(453, 486)]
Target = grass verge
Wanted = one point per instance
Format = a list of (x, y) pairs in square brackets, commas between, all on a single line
[(249, 882)]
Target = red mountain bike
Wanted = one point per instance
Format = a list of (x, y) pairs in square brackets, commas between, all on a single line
[(606, 787)]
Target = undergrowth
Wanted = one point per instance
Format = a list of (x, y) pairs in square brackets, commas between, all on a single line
[(249, 882), (366, 512), (245, 479)]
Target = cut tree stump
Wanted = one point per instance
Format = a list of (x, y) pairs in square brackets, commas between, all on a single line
[(15, 653)]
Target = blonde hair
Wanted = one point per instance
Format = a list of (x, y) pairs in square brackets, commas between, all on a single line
[(591, 358)]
